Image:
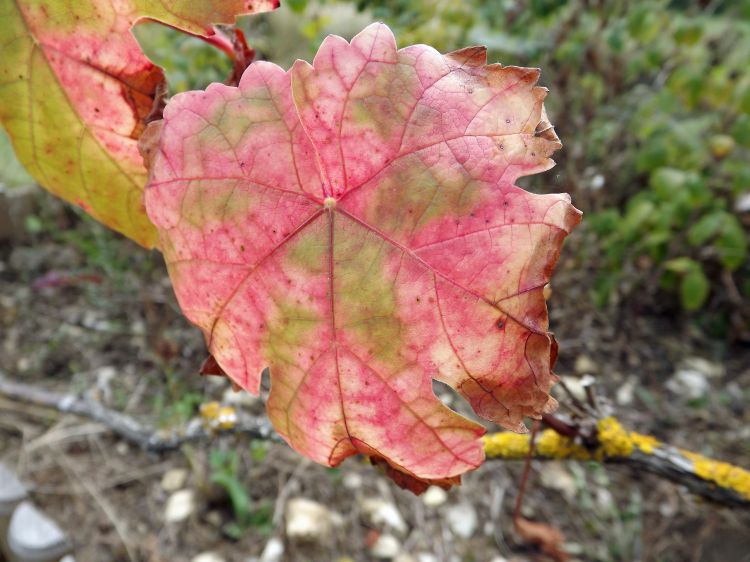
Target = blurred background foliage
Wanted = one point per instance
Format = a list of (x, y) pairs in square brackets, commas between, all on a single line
[(650, 97), (652, 102)]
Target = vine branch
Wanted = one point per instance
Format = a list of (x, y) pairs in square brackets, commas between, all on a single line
[(718, 481), (612, 443)]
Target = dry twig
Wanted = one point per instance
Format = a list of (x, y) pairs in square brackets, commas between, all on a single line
[(717, 481)]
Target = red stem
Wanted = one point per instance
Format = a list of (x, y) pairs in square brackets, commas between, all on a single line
[(526, 471), (217, 39), (220, 41)]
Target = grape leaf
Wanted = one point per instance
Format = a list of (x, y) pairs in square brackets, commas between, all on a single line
[(75, 89), (354, 225)]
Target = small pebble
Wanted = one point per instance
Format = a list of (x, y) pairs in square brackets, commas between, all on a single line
[(585, 366), (624, 395), (308, 521), (382, 513), (208, 557), (352, 481), (462, 519), (273, 551), (434, 496), (180, 506), (386, 547), (240, 398), (174, 479), (689, 384)]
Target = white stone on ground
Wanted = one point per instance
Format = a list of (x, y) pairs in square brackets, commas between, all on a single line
[(688, 384), (308, 521), (585, 365), (174, 479), (434, 496), (556, 476), (240, 398), (273, 551), (180, 506), (462, 519), (624, 395), (382, 513), (209, 557), (386, 547), (352, 481)]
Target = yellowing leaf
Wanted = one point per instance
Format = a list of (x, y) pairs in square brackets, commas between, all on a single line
[(75, 89)]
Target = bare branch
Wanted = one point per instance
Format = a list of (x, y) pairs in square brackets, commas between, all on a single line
[(143, 435), (718, 481), (715, 480)]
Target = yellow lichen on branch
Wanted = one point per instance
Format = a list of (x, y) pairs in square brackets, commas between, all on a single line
[(218, 417), (723, 474), (615, 443)]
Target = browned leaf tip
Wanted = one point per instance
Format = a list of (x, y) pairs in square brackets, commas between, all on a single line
[(547, 538), (410, 482), (148, 144), (212, 368)]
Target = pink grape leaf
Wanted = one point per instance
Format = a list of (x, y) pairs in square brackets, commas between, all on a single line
[(75, 89), (354, 225)]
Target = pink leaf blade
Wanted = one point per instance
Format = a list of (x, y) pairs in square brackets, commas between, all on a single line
[(387, 245)]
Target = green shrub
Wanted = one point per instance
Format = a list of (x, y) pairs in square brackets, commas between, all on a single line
[(652, 101)]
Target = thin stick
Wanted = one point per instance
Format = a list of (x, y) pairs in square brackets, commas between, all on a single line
[(526, 472), (102, 502), (721, 482)]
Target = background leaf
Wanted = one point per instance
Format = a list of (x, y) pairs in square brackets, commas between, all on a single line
[(75, 90)]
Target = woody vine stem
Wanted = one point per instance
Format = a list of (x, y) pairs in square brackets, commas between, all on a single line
[(604, 440)]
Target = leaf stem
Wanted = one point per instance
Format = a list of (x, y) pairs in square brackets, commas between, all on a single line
[(526, 471)]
